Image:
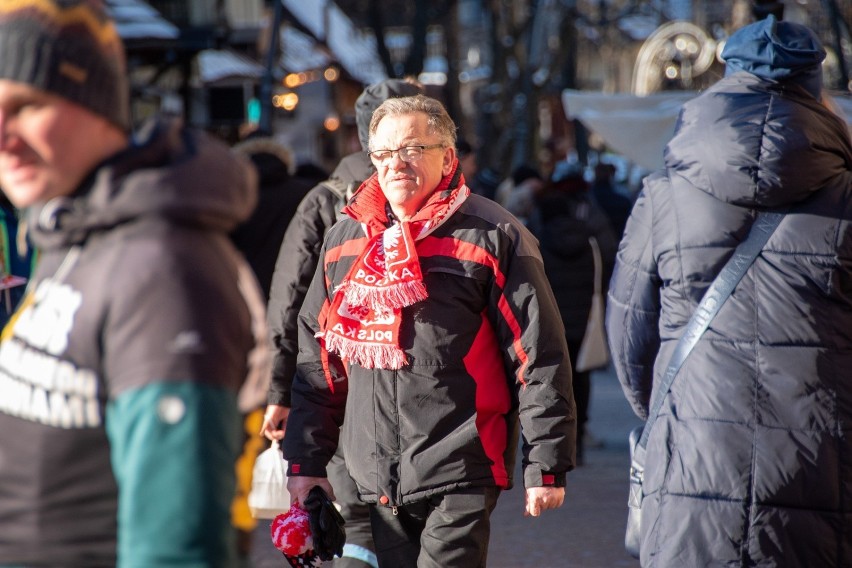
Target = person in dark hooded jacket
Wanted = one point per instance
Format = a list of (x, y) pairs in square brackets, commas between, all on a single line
[(750, 460), (259, 239), (280, 192), (297, 261), (564, 220), (123, 371)]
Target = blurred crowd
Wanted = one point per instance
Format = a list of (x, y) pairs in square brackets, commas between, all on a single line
[(172, 304)]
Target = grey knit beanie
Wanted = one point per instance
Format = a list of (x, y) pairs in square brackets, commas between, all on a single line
[(373, 96), (67, 47)]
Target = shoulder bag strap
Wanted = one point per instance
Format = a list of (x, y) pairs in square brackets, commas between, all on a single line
[(716, 295), (596, 255)]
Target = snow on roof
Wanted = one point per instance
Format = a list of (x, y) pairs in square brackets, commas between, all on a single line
[(354, 51), (136, 19), (217, 64), (300, 52)]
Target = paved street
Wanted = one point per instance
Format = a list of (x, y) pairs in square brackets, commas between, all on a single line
[(587, 532)]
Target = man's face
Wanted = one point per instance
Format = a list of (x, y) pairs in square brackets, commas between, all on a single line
[(47, 144), (406, 185)]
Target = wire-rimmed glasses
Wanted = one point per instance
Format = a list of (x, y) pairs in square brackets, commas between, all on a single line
[(407, 154)]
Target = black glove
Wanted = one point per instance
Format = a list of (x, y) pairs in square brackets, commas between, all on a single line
[(326, 524)]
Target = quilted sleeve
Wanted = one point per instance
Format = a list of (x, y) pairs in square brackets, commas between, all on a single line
[(633, 307)]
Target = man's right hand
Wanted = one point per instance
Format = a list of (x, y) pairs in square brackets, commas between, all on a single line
[(275, 421), (299, 486)]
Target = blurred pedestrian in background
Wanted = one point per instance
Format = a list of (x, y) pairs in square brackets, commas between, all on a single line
[(566, 218), (122, 369), (517, 193), (297, 263), (467, 162), (311, 172), (748, 462), (280, 192), (615, 205), (428, 329)]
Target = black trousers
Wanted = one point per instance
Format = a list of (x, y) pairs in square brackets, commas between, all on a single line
[(450, 530), (359, 549)]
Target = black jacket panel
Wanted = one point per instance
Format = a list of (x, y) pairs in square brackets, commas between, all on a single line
[(485, 347)]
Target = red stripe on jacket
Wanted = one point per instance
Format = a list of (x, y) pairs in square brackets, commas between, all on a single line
[(484, 364), (352, 247), (326, 367), (462, 250)]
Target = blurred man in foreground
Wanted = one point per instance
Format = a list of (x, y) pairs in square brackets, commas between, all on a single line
[(122, 368)]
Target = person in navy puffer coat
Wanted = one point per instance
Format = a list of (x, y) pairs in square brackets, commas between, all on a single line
[(750, 461)]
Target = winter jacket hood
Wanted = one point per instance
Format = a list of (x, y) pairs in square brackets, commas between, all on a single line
[(274, 162), (773, 144), (373, 96), (777, 51), (157, 177)]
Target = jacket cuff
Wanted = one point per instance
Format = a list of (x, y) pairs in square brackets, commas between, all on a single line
[(279, 398), (305, 469), (535, 477)]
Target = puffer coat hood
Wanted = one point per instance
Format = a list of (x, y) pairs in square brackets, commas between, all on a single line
[(757, 144), (749, 461), (777, 51), (157, 177)]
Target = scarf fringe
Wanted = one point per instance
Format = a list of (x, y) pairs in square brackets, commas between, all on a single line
[(367, 355), (385, 298)]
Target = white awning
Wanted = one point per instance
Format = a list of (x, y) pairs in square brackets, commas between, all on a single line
[(137, 20), (637, 127), (218, 64), (355, 51), (300, 52)]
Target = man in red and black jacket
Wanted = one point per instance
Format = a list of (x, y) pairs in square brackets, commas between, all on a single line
[(431, 326)]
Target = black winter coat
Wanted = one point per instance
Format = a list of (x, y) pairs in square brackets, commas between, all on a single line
[(750, 461), (297, 262), (486, 362)]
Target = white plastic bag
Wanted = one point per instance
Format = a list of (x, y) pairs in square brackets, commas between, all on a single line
[(269, 497)]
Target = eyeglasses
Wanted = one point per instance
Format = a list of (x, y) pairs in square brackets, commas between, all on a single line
[(407, 154)]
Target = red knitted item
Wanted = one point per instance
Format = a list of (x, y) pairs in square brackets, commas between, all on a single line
[(291, 534)]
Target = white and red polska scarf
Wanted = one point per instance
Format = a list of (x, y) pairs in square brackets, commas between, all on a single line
[(362, 323)]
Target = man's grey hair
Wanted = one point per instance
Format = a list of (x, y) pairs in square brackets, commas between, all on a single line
[(439, 122)]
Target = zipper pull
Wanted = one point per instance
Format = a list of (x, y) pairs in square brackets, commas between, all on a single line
[(394, 510)]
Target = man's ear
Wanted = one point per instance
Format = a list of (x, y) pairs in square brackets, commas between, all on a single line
[(449, 160)]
